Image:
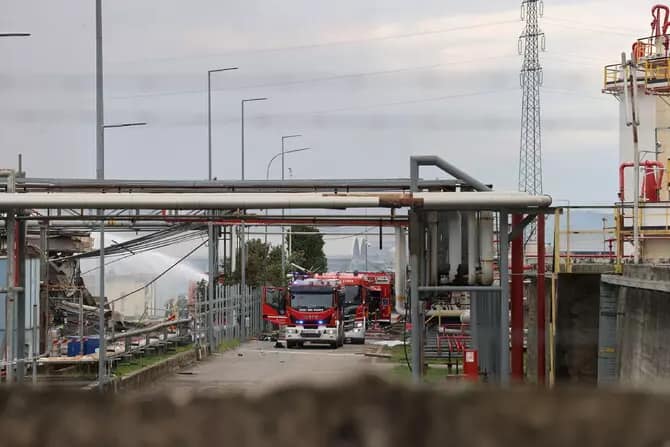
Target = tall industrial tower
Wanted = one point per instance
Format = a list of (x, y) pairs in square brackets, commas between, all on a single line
[(531, 42)]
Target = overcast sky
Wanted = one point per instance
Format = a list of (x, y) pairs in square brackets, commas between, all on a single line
[(368, 83)]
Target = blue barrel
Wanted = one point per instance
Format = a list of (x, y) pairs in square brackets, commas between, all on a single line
[(91, 344), (73, 346)]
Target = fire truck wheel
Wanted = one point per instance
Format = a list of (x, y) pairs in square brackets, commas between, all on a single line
[(334, 345), (290, 344)]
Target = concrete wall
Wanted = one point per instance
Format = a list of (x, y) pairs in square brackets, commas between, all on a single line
[(577, 327), (364, 414), (642, 327)]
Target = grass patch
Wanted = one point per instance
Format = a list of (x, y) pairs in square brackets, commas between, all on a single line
[(228, 345), (126, 368)]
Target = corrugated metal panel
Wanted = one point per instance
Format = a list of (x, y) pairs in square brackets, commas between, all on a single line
[(607, 334), (32, 278)]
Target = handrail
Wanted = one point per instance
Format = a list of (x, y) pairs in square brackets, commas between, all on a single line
[(136, 332)]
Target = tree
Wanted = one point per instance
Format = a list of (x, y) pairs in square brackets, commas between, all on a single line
[(257, 263), (308, 248)]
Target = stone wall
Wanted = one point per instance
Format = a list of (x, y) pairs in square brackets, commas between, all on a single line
[(369, 413)]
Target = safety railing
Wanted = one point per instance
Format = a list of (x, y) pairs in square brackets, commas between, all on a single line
[(656, 75), (234, 314), (613, 78)]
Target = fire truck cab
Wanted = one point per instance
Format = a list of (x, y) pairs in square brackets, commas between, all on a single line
[(314, 310)]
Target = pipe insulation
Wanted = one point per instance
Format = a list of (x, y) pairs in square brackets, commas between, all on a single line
[(172, 201)]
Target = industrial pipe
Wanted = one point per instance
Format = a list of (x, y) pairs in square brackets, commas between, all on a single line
[(426, 200), (471, 220), (652, 180), (486, 254), (432, 160), (454, 234)]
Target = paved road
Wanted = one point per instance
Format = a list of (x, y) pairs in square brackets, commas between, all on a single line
[(256, 367)]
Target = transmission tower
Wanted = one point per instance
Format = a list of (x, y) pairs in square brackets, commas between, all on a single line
[(531, 42)]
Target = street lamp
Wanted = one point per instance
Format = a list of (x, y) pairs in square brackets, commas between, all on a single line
[(209, 113), (244, 101), (283, 241), (279, 154), (267, 175)]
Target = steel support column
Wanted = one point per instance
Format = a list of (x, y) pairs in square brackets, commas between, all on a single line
[(416, 238), (211, 284), (503, 263), (517, 300), (21, 301), (541, 299)]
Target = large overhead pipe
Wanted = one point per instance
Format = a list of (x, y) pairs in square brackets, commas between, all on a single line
[(431, 160), (426, 200), (306, 185)]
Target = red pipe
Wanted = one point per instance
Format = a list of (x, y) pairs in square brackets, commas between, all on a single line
[(652, 181), (541, 300), (517, 301), (659, 28), (622, 178)]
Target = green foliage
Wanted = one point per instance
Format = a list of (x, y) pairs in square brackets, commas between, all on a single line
[(264, 260), (308, 248)]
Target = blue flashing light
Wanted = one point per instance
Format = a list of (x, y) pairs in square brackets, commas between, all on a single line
[(299, 321), (320, 321)]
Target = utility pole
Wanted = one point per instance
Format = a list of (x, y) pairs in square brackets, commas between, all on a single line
[(100, 175), (531, 42), (283, 212), (209, 116)]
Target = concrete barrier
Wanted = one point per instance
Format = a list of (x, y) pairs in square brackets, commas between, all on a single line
[(145, 377), (367, 413)]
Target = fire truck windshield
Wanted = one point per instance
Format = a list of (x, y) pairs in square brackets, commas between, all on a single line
[(352, 294), (312, 300)]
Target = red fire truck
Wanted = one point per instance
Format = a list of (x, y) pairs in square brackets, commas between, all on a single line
[(274, 306), (357, 295), (314, 313), (380, 304)]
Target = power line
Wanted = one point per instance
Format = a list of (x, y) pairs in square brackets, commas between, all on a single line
[(333, 43), (309, 80), (576, 26), (285, 83), (592, 27), (163, 273)]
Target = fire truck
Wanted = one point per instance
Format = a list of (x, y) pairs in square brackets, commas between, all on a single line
[(314, 313), (357, 294), (380, 306), (274, 306)]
